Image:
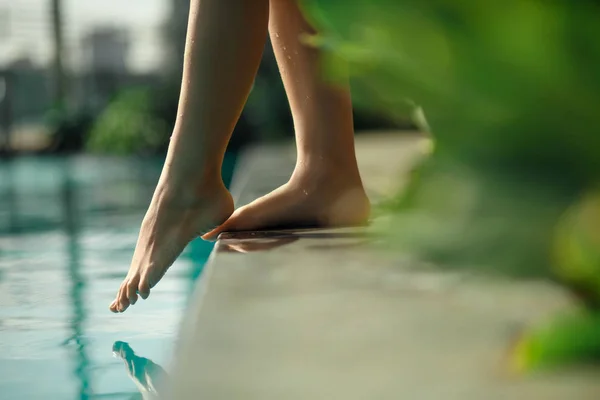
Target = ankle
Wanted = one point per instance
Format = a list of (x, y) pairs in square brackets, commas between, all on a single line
[(327, 171), (177, 191)]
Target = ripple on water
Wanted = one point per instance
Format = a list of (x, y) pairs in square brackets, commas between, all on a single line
[(68, 228)]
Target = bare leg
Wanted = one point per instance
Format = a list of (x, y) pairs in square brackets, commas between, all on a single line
[(325, 188), (223, 50)]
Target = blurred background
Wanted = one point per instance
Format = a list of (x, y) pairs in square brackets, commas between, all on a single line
[(88, 97), (104, 77)]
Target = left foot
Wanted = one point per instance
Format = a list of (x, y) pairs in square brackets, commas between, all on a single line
[(172, 221), (314, 197)]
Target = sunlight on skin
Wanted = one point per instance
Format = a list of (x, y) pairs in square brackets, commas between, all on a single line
[(325, 188)]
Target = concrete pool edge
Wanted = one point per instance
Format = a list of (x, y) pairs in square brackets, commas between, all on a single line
[(317, 314)]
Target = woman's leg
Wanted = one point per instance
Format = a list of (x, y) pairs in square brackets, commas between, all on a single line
[(223, 50), (325, 188)]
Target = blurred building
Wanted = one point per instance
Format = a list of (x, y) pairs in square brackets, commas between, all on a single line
[(4, 23), (24, 53), (104, 69), (107, 46), (174, 33), (105, 50)]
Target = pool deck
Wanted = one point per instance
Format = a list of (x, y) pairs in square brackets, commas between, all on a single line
[(318, 314)]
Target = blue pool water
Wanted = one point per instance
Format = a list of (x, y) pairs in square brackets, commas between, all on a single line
[(67, 231)]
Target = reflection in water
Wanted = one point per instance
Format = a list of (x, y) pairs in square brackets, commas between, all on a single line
[(77, 339), (10, 196), (248, 242), (67, 231), (298, 233), (251, 245), (149, 377)]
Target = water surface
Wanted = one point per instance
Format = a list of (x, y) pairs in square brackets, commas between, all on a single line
[(68, 228)]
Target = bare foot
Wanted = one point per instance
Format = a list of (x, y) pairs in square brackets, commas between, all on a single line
[(316, 197), (171, 222)]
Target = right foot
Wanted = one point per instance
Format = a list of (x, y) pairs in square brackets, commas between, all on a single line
[(172, 221), (316, 196)]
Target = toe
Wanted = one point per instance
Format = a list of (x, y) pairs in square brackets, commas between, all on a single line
[(212, 235), (115, 306), (123, 305), (144, 288), (131, 290), (122, 300), (228, 225)]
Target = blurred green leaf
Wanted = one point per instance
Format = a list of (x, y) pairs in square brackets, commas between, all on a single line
[(511, 93), (129, 124), (508, 72), (566, 340), (577, 249)]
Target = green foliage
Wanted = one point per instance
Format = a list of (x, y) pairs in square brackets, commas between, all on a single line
[(511, 93), (129, 125), (520, 72), (565, 340), (511, 96), (577, 249), (68, 128)]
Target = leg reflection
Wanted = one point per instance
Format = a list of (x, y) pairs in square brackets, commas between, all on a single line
[(147, 376)]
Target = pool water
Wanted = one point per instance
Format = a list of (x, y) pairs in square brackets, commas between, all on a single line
[(68, 228)]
